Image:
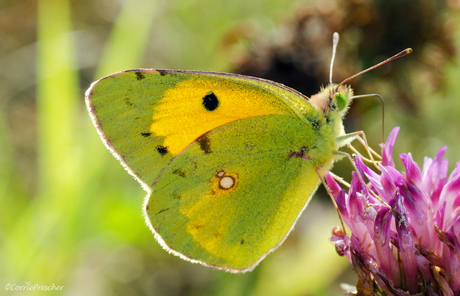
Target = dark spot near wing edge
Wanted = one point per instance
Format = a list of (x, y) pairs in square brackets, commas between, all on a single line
[(205, 143), (163, 210), (162, 72), (139, 75)]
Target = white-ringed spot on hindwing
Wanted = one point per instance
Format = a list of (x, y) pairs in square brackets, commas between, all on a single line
[(224, 182)]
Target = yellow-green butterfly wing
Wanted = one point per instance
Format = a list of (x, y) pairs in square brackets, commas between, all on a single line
[(229, 161)]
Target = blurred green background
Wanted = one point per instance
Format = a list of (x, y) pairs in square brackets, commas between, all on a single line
[(70, 214)]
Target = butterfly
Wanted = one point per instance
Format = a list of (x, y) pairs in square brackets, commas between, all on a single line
[(229, 161)]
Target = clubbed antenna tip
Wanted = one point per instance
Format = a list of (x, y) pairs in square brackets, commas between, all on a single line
[(335, 42)]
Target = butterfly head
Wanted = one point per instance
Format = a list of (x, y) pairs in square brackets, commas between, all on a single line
[(333, 99)]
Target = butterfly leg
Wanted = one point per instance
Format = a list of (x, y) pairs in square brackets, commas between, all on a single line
[(347, 155), (332, 197), (361, 137), (340, 179)]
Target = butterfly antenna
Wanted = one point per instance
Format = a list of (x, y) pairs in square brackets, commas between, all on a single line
[(335, 42), (396, 56)]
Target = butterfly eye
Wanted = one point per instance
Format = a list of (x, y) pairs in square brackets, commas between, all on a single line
[(341, 101)]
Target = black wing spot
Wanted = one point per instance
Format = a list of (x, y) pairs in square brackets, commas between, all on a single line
[(210, 102), (242, 242), (162, 150), (205, 144), (164, 210), (146, 134), (302, 153), (139, 75), (162, 72), (180, 173), (128, 102), (175, 195)]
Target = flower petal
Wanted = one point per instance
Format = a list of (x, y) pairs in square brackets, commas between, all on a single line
[(387, 159), (413, 173), (434, 175), (406, 244), (449, 194), (384, 252)]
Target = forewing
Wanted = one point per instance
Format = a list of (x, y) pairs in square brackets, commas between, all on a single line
[(147, 117)]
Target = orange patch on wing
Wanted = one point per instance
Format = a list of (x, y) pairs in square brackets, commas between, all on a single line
[(182, 114)]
